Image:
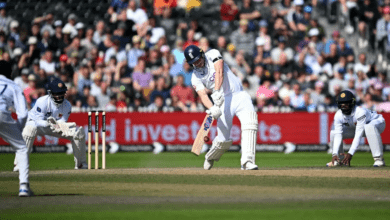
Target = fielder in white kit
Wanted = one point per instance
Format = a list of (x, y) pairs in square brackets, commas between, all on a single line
[(49, 116), (11, 96), (355, 122), (210, 72)]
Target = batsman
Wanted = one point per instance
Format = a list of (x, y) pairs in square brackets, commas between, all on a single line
[(49, 116), (352, 121), (211, 73)]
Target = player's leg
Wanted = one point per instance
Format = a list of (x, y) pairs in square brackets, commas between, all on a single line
[(373, 132), (222, 142), (77, 138), (249, 125), (11, 134), (29, 134)]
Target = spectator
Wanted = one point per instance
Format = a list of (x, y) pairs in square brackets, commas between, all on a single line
[(154, 64), (322, 70), (135, 52), (243, 39), (47, 63), (263, 34), (76, 49), (48, 23), (268, 11), (156, 31), (178, 51), (368, 102), (281, 48), (111, 105), (141, 78), (381, 31), (31, 93), (295, 18), (368, 16), (190, 39), (98, 35), (182, 96), (116, 51), (71, 25), (160, 90), (362, 81), (116, 7), (22, 80), (229, 12), (186, 72), (228, 56), (284, 7), (334, 40), (317, 95), (249, 13), (137, 16), (82, 78), (4, 19), (314, 37), (296, 98), (361, 64), (337, 83), (240, 68), (334, 55), (345, 51), (157, 104)]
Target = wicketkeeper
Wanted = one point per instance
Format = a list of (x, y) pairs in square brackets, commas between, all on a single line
[(49, 116), (211, 73), (355, 122)]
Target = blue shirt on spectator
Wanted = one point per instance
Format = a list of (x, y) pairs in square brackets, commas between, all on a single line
[(119, 5)]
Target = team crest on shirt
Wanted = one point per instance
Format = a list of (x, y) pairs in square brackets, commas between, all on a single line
[(48, 114), (39, 109)]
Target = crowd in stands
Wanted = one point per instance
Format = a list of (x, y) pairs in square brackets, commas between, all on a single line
[(131, 59)]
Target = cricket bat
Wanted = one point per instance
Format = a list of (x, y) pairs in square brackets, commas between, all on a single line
[(203, 131)]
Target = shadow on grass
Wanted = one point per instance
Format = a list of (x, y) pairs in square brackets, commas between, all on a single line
[(47, 195)]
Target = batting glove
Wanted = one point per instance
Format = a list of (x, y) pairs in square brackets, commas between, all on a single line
[(218, 97), (215, 112)]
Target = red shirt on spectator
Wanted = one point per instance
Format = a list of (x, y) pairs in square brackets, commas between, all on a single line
[(227, 12), (184, 93)]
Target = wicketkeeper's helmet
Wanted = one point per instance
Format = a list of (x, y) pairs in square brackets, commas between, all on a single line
[(192, 54), (346, 97), (57, 90)]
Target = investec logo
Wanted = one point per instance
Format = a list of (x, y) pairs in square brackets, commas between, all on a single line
[(208, 123)]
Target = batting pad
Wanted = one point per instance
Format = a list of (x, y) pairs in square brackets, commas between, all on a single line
[(218, 149), (29, 133), (249, 125), (78, 145), (374, 140)]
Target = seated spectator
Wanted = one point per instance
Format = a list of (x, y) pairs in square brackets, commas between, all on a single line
[(296, 98), (322, 70), (47, 63), (116, 7), (87, 42), (260, 55), (368, 16), (240, 68), (334, 55), (111, 105), (156, 31), (76, 48), (336, 84), (135, 52), (229, 55), (284, 7), (263, 34), (281, 48), (368, 102), (116, 51), (362, 81), (229, 12), (22, 80), (314, 37), (82, 78), (361, 64), (317, 96), (178, 51), (221, 44), (268, 11), (190, 39), (249, 13), (340, 66), (204, 44), (243, 39), (157, 104), (160, 90), (142, 79), (154, 64), (295, 17), (345, 51), (98, 35), (71, 25), (182, 96), (186, 72), (31, 92), (308, 56)]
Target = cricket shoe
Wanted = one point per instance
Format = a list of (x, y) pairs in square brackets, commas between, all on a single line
[(335, 164), (25, 191), (379, 162), (83, 166), (249, 166), (208, 164)]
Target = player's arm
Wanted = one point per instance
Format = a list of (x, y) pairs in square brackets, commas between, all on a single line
[(39, 111), (338, 137), (205, 98), (361, 121), (218, 65), (20, 107)]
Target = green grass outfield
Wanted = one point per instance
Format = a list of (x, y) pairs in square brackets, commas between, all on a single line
[(174, 185)]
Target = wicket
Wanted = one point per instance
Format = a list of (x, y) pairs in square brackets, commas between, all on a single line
[(97, 139)]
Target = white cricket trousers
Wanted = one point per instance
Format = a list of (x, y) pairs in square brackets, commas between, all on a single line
[(237, 103), (11, 133)]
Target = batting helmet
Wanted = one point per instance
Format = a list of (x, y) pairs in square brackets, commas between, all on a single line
[(346, 101), (192, 54), (57, 90), (5, 68)]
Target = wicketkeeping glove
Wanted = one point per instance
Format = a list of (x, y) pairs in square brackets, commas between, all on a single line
[(215, 112), (218, 97)]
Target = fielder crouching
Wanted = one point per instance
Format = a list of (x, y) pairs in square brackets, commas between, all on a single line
[(49, 116), (210, 72), (355, 122)]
